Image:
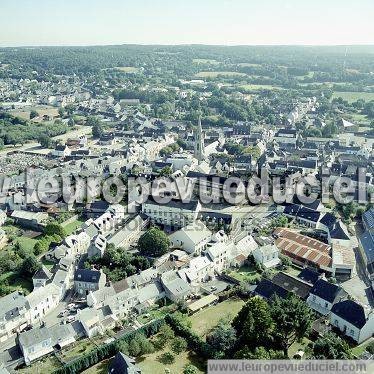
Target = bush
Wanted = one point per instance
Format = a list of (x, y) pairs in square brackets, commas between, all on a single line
[(166, 358), (178, 345)]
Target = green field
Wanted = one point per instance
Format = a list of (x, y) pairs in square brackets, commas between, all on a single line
[(150, 363), (244, 274), (45, 365), (204, 320), (27, 243), (255, 87), (353, 96), (73, 226), (127, 69), (204, 61), (215, 74), (248, 64)]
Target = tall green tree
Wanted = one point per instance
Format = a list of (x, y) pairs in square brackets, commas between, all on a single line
[(292, 318), (253, 324), (154, 243), (331, 347)]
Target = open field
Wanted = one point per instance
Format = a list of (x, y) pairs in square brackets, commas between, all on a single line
[(127, 69), (353, 96), (204, 320), (255, 87), (73, 226), (205, 61), (150, 363), (248, 64), (244, 273), (215, 74), (41, 109)]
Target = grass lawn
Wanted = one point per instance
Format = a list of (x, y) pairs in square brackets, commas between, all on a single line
[(100, 368), (79, 348), (215, 74), (295, 347), (127, 69), (71, 227), (46, 365), (255, 87), (150, 363), (360, 349), (358, 118), (353, 96), (204, 320), (244, 273), (40, 109), (27, 243)]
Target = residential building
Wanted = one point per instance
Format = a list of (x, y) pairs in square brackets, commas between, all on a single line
[(86, 280), (324, 295), (267, 256), (14, 314), (37, 342), (193, 238), (353, 320), (122, 364)]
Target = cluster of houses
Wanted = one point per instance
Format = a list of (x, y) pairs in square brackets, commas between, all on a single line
[(351, 318)]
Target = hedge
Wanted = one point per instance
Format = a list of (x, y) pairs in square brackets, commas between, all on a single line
[(107, 350), (194, 341)]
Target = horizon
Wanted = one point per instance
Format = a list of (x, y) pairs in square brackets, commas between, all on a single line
[(216, 23)]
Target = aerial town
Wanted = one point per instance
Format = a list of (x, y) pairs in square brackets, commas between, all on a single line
[(162, 206)]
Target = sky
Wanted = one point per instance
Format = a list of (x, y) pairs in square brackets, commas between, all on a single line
[(222, 22)]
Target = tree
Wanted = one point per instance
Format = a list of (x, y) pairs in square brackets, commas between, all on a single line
[(166, 358), (54, 228), (254, 151), (97, 130), (331, 347), (178, 345), (30, 266), (223, 337), (254, 324), (260, 353), (190, 369), (45, 141), (34, 114), (166, 171), (293, 319), (154, 242)]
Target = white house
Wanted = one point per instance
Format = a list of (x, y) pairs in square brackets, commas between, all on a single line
[(173, 213), (353, 319), (37, 343), (42, 301), (268, 255), (199, 270), (192, 238), (41, 277), (324, 295)]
